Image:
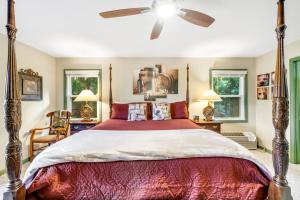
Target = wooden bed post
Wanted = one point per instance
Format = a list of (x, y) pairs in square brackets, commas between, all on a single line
[(110, 91), (279, 188), (15, 188), (188, 86)]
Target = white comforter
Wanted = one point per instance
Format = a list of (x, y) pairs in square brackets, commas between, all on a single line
[(109, 146)]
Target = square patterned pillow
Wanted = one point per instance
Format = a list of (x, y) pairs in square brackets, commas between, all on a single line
[(137, 112), (161, 111)]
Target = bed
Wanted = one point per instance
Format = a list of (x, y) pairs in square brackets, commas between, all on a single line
[(187, 174), (171, 159)]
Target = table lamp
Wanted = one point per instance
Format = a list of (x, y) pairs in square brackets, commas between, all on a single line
[(86, 110), (210, 96)]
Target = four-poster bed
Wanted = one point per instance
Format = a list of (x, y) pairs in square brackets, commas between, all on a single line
[(278, 189)]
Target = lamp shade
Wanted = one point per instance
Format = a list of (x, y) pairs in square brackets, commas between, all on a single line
[(86, 95), (210, 95)]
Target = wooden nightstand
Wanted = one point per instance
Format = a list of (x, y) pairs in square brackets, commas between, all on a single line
[(76, 126), (210, 125)]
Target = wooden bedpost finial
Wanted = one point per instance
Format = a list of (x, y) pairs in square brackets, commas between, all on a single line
[(188, 86), (110, 91), (15, 188), (279, 188)]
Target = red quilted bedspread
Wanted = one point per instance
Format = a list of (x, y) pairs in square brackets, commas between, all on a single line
[(214, 178)]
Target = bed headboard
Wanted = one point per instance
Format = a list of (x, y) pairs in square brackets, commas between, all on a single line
[(187, 98)]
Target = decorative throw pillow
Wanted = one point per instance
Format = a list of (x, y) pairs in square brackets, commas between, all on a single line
[(119, 111), (60, 119), (137, 112), (179, 110), (149, 108), (161, 111)]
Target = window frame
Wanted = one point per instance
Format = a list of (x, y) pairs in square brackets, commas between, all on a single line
[(245, 120), (77, 72)]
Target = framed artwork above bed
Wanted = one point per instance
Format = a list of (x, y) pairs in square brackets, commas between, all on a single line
[(155, 82), (31, 85)]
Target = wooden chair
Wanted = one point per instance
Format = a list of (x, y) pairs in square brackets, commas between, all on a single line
[(58, 130)]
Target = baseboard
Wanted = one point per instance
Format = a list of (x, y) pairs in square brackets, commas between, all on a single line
[(265, 149), (24, 161)]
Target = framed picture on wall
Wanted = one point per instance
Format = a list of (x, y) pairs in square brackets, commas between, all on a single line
[(272, 92), (155, 82), (262, 93), (272, 78), (263, 80), (31, 85)]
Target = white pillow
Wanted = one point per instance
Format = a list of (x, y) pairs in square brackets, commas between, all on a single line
[(137, 112), (161, 111)]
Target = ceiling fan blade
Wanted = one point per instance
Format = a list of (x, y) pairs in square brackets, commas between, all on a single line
[(124, 12), (157, 29), (196, 17)]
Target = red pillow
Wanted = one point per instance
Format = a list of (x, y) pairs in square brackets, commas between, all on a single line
[(179, 110), (119, 111)]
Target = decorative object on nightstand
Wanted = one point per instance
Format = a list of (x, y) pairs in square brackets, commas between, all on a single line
[(77, 126), (210, 125), (209, 110), (86, 110)]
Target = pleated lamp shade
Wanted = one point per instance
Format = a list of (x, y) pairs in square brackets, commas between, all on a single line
[(210, 95), (86, 95)]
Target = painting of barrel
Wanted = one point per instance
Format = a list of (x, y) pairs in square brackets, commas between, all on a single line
[(155, 82)]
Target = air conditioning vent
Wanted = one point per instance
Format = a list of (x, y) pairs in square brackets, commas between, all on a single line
[(246, 139)]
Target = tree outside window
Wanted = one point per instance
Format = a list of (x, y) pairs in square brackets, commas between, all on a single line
[(76, 81), (231, 86)]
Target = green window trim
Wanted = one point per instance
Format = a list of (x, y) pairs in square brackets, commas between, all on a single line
[(245, 90), (294, 102)]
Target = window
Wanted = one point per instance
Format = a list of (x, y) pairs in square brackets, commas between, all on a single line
[(231, 86), (75, 82)]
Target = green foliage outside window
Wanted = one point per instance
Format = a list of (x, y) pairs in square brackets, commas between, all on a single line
[(226, 85), (229, 107), (79, 84), (82, 83), (232, 88)]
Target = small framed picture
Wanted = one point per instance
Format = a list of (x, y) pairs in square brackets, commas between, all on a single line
[(263, 93), (272, 78), (196, 118), (31, 85), (263, 80), (272, 92)]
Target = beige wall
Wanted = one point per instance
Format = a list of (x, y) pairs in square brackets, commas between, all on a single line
[(260, 119), (33, 113), (266, 64), (123, 71)]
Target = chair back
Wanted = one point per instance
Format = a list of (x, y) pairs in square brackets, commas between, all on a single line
[(59, 119)]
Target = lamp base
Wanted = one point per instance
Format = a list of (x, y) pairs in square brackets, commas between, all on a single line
[(208, 113), (86, 113)]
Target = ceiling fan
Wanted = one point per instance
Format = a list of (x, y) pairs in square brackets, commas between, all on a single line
[(164, 9)]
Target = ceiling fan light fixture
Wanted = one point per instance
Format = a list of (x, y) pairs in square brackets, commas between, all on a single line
[(166, 10)]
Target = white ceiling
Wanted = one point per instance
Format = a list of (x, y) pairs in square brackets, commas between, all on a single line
[(72, 28)]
